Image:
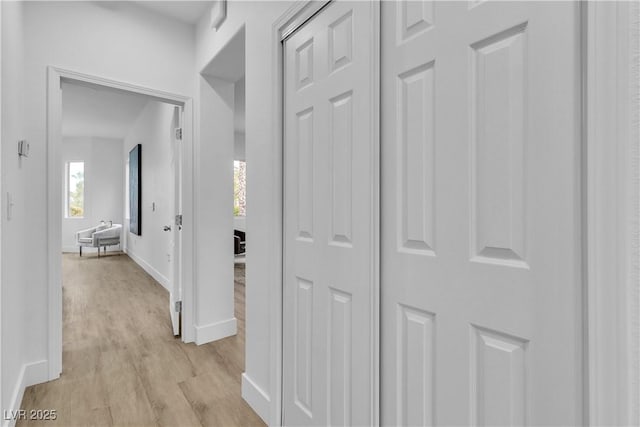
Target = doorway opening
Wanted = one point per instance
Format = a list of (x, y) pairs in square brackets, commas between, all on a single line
[(135, 386), (121, 160), (100, 176), (239, 202)]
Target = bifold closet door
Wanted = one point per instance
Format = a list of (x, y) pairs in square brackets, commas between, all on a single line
[(481, 263), (328, 211)]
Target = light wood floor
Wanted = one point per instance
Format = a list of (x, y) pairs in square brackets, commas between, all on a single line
[(121, 363)]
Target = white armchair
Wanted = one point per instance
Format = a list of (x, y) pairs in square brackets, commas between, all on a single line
[(100, 236)]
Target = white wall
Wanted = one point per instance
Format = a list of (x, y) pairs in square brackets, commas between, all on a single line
[(103, 188), (214, 307), (239, 150), (240, 223), (117, 40), (239, 118), (258, 385), (15, 172), (153, 129)]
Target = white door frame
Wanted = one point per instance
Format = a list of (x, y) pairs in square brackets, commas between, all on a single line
[(55, 77), (611, 210), (2, 195), (285, 25), (612, 235)]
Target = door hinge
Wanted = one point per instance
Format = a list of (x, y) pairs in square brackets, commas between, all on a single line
[(178, 307), (179, 220), (179, 134)]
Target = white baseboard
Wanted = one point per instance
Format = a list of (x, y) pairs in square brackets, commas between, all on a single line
[(256, 398), (70, 249), (216, 331), (30, 374), (149, 269)]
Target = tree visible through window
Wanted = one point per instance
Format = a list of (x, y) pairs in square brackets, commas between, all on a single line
[(75, 189), (239, 188)]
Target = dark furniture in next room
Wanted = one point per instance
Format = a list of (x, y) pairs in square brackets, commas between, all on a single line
[(239, 242)]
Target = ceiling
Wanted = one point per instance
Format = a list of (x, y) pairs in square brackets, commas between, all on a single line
[(229, 63), (186, 11), (98, 112)]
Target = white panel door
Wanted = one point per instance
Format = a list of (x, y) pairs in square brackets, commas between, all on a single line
[(328, 219), (481, 263), (175, 200)]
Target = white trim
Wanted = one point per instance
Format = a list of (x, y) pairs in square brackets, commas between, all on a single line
[(633, 272), (613, 215), (30, 373), (54, 219), (157, 276), (256, 397), (190, 336), (90, 80), (216, 331), (296, 16), (283, 27), (376, 121), (2, 198), (188, 241), (55, 77)]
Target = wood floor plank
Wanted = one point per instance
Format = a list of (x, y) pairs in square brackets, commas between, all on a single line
[(122, 366), (169, 404), (213, 399)]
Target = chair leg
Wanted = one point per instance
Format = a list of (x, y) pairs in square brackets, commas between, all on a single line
[(80, 250)]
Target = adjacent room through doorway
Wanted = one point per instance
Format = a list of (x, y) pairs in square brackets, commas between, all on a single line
[(121, 165), (239, 203), (121, 170)]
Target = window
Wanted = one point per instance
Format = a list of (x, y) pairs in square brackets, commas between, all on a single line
[(75, 189), (239, 188)]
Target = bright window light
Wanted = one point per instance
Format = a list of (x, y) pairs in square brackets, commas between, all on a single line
[(239, 188), (75, 189)]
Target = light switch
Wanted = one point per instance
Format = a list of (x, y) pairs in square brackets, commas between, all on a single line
[(23, 148)]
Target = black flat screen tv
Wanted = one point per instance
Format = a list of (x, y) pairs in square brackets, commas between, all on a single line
[(135, 190)]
